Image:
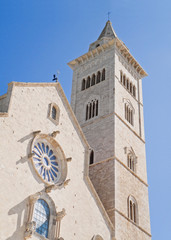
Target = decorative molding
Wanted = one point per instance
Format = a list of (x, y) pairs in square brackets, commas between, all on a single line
[(50, 113), (30, 229), (108, 115), (55, 133), (59, 216), (117, 159), (123, 215), (49, 153), (56, 186)]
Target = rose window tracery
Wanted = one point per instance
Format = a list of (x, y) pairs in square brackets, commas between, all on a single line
[(48, 159)]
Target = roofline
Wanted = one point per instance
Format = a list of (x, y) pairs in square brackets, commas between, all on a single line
[(121, 47)]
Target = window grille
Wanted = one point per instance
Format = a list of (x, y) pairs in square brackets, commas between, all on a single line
[(41, 217)]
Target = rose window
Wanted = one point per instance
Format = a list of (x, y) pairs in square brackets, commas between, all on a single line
[(48, 160)]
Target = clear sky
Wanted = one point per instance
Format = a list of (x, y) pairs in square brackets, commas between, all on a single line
[(39, 37)]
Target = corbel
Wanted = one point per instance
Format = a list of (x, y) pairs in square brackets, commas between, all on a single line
[(30, 155), (48, 189), (69, 159), (35, 133), (54, 134)]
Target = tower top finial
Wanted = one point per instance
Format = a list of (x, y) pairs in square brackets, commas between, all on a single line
[(108, 15)]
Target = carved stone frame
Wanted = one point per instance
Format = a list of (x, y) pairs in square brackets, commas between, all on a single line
[(54, 219), (59, 152), (55, 121)]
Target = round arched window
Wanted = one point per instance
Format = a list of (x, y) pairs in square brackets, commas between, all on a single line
[(48, 159), (41, 217)]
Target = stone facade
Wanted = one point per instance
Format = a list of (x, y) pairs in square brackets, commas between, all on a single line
[(26, 116), (45, 153), (114, 133)]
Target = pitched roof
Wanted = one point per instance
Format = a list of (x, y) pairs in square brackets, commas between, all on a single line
[(108, 31)]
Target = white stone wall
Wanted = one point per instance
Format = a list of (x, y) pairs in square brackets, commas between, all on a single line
[(28, 113)]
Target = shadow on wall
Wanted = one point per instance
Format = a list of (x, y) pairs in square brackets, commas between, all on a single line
[(21, 211)]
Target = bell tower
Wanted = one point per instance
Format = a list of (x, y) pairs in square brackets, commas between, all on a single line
[(107, 101)]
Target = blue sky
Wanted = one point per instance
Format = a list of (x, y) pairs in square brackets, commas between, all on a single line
[(39, 37)]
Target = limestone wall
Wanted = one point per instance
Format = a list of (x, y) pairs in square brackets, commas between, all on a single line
[(28, 112)]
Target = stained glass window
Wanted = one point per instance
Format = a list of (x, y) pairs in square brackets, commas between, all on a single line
[(45, 162), (41, 217)]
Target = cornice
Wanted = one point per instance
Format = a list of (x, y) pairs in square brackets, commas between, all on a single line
[(136, 225), (119, 161), (90, 121), (32, 84), (122, 49)]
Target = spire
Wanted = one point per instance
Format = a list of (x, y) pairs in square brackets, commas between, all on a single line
[(108, 31), (106, 35)]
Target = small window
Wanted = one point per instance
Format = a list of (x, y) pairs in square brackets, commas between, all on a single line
[(124, 80), (43, 221), (129, 114), (98, 77), (131, 161), (131, 88), (83, 85), (103, 74), (97, 107), (132, 209), (41, 217), (127, 84), (134, 91), (88, 82), (97, 45), (121, 76), (54, 113), (93, 80), (91, 109), (91, 157)]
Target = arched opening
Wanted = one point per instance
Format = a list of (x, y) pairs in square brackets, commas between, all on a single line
[(90, 109), (83, 85), (87, 112), (127, 83), (103, 74), (93, 109), (93, 80), (131, 161), (88, 82), (132, 209), (98, 77), (124, 80), (97, 108), (54, 113), (130, 87), (41, 217), (91, 157), (121, 76), (134, 91)]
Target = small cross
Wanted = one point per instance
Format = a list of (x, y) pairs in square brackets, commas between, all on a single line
[(108, 15)]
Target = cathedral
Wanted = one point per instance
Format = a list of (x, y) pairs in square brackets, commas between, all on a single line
[(77, 172)]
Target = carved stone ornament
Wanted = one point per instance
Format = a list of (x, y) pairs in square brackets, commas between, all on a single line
[(97, 237), (30, 229), (48, 160)]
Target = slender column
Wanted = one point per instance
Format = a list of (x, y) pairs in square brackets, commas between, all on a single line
[(59, 217)]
